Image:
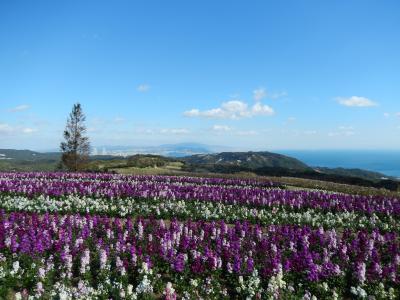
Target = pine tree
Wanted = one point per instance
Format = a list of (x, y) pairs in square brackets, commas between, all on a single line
[(76, 147)]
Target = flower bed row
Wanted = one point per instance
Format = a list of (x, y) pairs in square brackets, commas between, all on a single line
[(198, 210), (95, 257), (57, 176), (251, 196)]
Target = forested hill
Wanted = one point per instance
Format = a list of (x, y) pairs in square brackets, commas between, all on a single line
[(250, 160)]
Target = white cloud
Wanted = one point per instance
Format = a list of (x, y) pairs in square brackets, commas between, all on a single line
[(349, 133), (343, 131), (386, 115), (19, 108), (5, 128), (29, 130), (277, 95), (356, 101), (144, 131), (346, 128), (310, 132), (8, 129), (221, 128), (167, 131), (91, 129), (143, 88), (259, 94), (261, 109), (119, 120), (246, 133), (234, 109), (177, 131), (234, 106), (192, 113)]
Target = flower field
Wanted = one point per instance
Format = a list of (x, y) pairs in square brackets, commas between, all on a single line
[(107, 236)]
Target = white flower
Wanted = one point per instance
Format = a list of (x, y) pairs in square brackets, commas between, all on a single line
[(325, 286), (39, 287), (63, 295), (103, 259), (129, 289), (194, 282), (42, 273), (140, 230), (359, 291), (16, 266), (144, 286), (335, 296)]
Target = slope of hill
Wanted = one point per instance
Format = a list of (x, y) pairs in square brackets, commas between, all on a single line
[(365, 174), (27, 160), (27, 155), (248, 160)]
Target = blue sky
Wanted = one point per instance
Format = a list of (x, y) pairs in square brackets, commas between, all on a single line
[(246, 74)]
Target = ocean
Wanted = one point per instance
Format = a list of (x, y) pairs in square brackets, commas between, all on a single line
[(383, 161)]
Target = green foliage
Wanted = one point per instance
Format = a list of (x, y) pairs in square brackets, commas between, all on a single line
[(144, 161), (76, 147)]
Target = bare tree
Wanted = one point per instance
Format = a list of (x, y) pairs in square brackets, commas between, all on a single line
[(76, 146)]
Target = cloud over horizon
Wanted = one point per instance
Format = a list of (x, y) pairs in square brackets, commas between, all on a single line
[(343, 131), (178, 131), (7, 129), (221, 128)]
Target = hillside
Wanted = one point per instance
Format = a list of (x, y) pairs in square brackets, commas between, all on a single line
[(27, 155), (365, 174), (27, 160), (248, 160)]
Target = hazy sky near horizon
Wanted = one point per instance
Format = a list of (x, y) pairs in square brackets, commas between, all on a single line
[(248, 74)]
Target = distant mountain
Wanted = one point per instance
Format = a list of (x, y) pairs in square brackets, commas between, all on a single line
[(170, 150), (248, 160), (27, 155), (184, 149), (365, 174), (27, 160)]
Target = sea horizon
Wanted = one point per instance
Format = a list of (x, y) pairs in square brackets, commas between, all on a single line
[(386, 162)]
